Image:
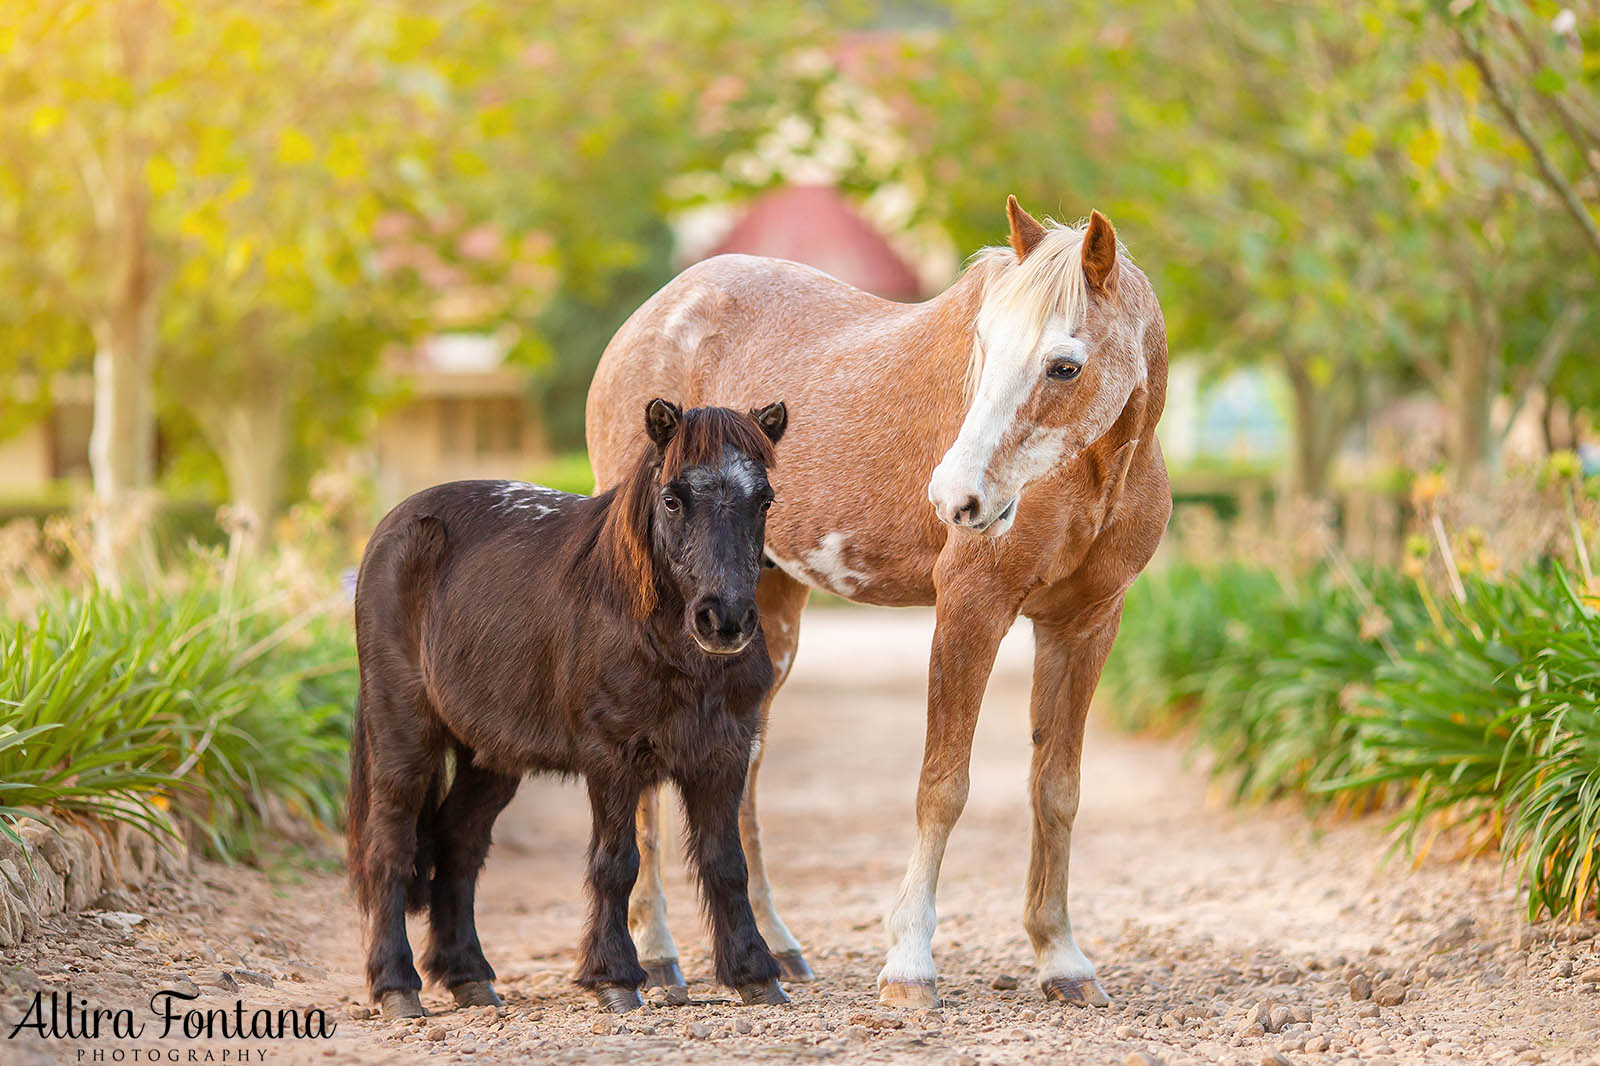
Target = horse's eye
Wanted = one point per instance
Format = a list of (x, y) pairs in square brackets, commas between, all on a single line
[(1063, 371), (670, 502), (766, 505)]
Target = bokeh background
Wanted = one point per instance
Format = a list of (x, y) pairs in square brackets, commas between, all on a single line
[(267, 266)]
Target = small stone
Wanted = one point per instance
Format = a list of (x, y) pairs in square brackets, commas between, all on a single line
[(435, 1034), (1563, 968), (224, 980), (870, 1020), (1530, 1056), (699, 1031), (359, 1014), (1288, 975), (1005, 982), (1279, 1018), (1142, 1058), (1360, 987), (966, 1060), (1317, 1044), (1275, 1058), (1125, 1032), (743, 1026), (254, 977), (1389, 994), (1367, 1010), (1590, 977)]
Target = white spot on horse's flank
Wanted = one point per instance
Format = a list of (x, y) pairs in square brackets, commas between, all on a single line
[(781, 666), (827, 562), (536, 501), (790, 567)]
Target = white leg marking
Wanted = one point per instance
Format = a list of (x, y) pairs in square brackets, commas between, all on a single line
[(913, 918), (647, 910)]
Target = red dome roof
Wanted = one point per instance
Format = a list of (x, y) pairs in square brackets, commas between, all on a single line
[(815, 225)]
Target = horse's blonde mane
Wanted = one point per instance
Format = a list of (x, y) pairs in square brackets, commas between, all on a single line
[(1049, 282)]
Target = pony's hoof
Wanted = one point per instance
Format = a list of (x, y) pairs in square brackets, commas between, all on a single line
[(913, 994), (618, 999), (763, 994), (665, 975), (1076, 992), (792, 967), (401, 1003), (476, 994)]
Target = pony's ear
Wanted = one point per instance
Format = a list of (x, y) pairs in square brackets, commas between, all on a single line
[(661, 418), (1025, 229), (1100, 253), (773, 420)]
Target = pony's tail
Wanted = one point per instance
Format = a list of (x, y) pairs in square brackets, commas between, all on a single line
[(356, 809)]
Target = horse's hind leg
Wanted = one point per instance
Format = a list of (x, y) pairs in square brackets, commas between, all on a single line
[(464, 822), (647, 912), (781, 600)]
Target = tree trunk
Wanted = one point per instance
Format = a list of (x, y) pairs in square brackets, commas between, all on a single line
[(1473, 384), (251, 440), (122, 440), (1317, 426)]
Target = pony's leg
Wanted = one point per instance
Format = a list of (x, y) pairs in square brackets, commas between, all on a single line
[(1068, 658), (465, 820), (781, 600), (607, 961), (647, 912), (401, 768), (966, 637), (711, 808)]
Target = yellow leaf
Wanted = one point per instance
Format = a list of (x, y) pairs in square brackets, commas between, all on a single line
[(161, 175), (295, 148)]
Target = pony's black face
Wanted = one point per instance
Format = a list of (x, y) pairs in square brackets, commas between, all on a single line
[(709, 526)]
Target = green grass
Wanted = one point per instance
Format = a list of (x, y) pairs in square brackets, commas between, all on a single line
[(569, 472), (1371, 691), (126, 706)]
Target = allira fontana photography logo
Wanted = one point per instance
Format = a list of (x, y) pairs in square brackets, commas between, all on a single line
[(172, 1015)]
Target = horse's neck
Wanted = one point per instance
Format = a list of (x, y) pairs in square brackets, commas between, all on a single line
[(941, 359)]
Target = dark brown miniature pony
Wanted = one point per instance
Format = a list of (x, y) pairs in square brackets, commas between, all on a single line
[(504, 628)]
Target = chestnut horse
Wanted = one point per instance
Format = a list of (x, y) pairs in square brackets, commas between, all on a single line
[(1022, 404)]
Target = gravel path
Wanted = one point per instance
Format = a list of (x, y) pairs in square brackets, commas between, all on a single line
[(1221, 935)]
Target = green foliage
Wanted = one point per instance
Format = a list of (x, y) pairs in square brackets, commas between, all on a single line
[(123, 705), (1483, 712)]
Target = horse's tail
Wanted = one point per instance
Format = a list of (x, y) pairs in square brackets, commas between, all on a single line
[(417, 891), (356, 809)]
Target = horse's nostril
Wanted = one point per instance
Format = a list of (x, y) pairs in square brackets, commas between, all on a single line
[(705, 621), (751, 617), (968, 512)]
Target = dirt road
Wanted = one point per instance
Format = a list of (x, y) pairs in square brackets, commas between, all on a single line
[(1221, 935)]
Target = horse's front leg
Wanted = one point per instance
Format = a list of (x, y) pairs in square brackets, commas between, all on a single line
[(966, 637), (607, 961), (1068, 657)]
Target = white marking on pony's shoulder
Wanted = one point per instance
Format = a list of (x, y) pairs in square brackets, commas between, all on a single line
[(536, 501), (827, 562)]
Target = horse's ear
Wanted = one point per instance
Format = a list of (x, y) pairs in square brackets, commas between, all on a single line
[(661, 419), (773, 420), (1025, 229), (1100, 253)]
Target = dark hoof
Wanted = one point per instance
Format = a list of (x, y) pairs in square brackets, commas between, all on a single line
[(792, 967), (1076, 992), (763, 994), (618, 999), (476, 994), (401, 1003), (665, 975)]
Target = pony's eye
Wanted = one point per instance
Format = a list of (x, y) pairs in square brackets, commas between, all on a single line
[(766, 505), (1063, 371), (670, 502)]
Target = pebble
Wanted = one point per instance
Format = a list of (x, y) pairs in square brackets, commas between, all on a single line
[(1005, 982), (254, 978), (1360, 987), (1590, 977), (1390, 994), (698, 1031), (224, 980), (1142, 1058), (1125, 1032), (1275, 1058), (436, 1034), (1367, 1010)]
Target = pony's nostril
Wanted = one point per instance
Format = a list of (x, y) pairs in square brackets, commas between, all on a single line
[(751, 617), (968, 512), (705, 621)]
